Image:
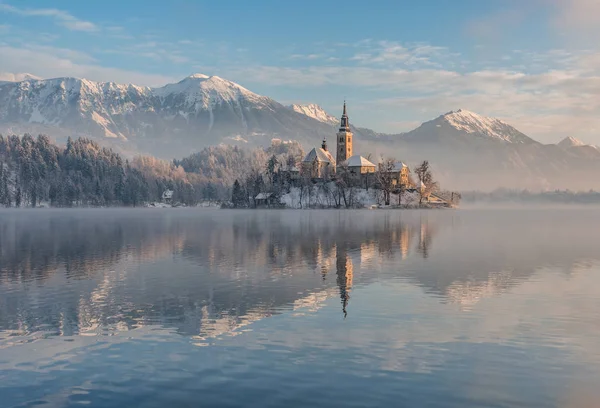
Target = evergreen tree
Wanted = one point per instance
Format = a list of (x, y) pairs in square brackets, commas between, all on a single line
[(238, 198)]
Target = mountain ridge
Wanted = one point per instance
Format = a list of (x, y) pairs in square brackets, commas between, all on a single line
[(468, 150)]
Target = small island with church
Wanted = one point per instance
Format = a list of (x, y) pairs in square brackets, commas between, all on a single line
[(347, 181)]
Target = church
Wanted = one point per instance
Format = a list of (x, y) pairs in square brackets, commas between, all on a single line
[(320, 164)]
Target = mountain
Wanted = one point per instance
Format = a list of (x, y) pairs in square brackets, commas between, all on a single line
[(467, 151), (170, 121), (570, 141), (314, 111), (473, 152), (464, 126), (9, 77)]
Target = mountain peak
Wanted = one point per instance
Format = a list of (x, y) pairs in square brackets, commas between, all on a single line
[(314, 111), (199, 76), (24, 76), (570, 141), (487, 127)]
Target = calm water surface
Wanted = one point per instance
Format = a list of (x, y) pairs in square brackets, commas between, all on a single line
[(217, 308)]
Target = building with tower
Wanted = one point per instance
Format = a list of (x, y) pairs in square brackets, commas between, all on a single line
[(319, 163), (344, 139)]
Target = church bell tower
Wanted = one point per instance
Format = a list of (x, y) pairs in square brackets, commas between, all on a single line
[(344, 139)]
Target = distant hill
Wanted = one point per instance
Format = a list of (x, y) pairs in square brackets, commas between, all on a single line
[(467, 151)]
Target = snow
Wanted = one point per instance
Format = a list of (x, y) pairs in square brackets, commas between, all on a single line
[(10, 77), (37, 117), (314, 111), (362, 198), (358, 161), (398, 166), (204, 92), (570, 142), (238, 138), (471, 122), (320, 154)]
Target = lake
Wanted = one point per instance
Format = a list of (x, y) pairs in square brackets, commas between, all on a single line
[(225, 308)]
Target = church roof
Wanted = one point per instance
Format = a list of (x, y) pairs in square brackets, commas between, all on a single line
[(320, 155), (358, 161), (398, 166)]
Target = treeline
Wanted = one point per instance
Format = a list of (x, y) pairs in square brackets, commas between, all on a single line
[(35, 171)]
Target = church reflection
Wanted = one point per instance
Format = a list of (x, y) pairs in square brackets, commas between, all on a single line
[(209, 273), (344, 275)]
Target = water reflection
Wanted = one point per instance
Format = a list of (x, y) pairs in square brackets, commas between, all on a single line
[(317, 308), (207, 273)]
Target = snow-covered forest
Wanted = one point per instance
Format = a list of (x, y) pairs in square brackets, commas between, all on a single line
[(34, 171)]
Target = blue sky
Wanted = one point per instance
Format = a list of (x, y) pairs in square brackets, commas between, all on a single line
[(398, 63)]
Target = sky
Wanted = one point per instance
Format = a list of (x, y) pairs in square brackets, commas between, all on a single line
[(533, 63)]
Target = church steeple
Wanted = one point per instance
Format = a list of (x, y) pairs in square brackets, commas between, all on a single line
[(345, 124), (324, 144), (344, 138)]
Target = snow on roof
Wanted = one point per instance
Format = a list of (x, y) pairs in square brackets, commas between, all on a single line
[(358, 161), (263, 196), (398, 166), (320, 155)]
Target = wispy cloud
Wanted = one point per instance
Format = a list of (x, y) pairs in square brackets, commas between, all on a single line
[(305, 56), (61, 17), (50, 62), (393, 53)]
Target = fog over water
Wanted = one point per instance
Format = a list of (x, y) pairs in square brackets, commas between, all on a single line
[(168, 307)]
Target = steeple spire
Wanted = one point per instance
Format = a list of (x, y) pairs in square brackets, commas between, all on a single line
[(344, 125)]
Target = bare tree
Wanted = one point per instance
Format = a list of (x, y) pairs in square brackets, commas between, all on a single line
[(427, 185), (305, 187), (385, 177)]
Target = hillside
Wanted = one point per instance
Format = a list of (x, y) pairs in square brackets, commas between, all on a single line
[(467, 150)]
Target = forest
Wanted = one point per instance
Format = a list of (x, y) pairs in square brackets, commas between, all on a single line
[(35, 171)]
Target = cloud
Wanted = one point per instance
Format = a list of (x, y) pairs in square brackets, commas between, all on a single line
[(62, 18), (305, 56), (547, 104), (392, 53), (158, 51), (50, 62)]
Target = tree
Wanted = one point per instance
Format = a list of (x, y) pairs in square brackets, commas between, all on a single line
[(272, 166), (238, 197), (209, 192), (385, 177), (427, 185)]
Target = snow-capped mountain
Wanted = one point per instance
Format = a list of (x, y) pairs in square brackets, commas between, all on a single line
[(10, 77), (467, 150), (168, 121), (314, 111), (570, 141), (467, 126)]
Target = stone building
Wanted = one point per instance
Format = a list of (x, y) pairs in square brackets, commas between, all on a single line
[(401, 175), (344, 139), (319, 163)]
